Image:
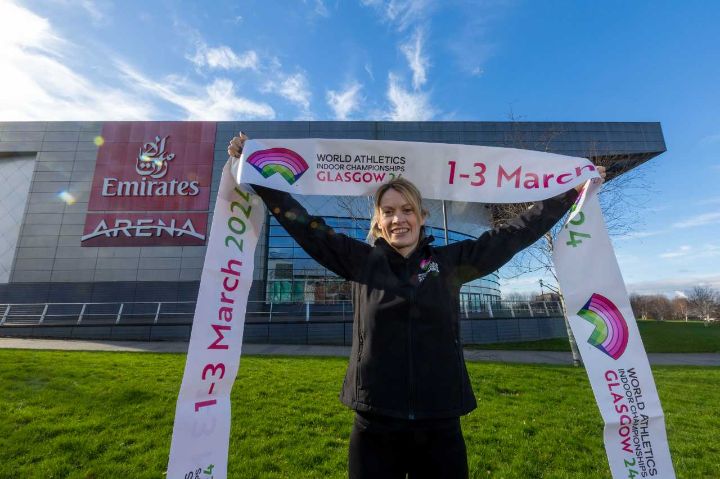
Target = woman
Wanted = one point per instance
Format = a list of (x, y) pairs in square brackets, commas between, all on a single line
[(406, 378)]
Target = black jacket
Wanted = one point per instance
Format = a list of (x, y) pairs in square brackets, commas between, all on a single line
[(407, 359)]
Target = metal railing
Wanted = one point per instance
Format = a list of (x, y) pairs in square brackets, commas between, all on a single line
[(181, 312), (92, 314)]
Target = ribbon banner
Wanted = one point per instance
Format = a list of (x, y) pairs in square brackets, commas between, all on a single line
[(597, 303)]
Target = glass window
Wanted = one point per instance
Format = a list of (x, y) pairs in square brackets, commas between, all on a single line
[(275, 252), (281, 241), (277, 231), (295, 277), (302, 263), (298, 252), (342, 222)]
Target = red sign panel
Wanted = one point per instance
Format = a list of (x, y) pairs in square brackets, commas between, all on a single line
[(150, 167), (140, 229)]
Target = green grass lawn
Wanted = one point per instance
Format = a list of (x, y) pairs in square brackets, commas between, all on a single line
[(110, 415), (657, 336)]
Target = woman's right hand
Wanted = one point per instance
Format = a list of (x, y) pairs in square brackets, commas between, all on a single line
[(236, 145)]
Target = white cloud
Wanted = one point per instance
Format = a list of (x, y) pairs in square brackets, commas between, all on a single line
[(321, 9), (527, 283), (218, 102), (679, 294), (293, 88), (368, 70), (639, 235), (473, 40), (687, 252), (22, 29), (37, 83), (699, 220), (709, 201), (224, 58), (92, 8), (706, 251), (676, 283), (418, 62), (626, 259), (318, 8), (407, 105), (344, 102), (681, 251), (401, 13)]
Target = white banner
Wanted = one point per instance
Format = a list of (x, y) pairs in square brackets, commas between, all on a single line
[(599, 309), (597, 303), (441, 171), (201, 432)]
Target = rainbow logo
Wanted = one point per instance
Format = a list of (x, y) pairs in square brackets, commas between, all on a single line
[(611, 331), (287, 163)]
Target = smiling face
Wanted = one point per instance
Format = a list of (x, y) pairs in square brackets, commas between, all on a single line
[(399, 223)]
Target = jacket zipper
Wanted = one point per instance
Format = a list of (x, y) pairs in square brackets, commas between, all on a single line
[(411, 372), (461, 366), (411, 383), (359, 358)]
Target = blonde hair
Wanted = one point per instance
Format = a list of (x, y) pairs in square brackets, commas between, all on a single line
[(411, 194)]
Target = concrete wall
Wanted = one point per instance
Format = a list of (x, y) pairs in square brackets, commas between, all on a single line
[(339, 333)]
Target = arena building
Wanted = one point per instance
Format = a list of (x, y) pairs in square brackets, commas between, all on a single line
[(118, 212)]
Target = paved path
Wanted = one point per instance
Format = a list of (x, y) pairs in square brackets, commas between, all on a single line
[(539, 357)]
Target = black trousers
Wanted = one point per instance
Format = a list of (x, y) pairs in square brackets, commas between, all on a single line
[(389, 448)]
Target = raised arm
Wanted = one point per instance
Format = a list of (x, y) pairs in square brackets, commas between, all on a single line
[(337, 252), (477, 258)]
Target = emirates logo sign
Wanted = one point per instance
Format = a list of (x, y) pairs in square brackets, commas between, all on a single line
[(152, 159), (151, 163), (156, 173)]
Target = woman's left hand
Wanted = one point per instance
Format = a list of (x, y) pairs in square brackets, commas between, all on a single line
[(601, 171), (236, 145)]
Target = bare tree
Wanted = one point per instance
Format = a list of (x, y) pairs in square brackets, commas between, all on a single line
[(621, 197), (703, 300), (680, 307), (516, 296), (660, 307), (640, 306), (356, 208)]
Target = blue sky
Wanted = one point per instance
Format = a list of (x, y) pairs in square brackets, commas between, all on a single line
[(403, 60)]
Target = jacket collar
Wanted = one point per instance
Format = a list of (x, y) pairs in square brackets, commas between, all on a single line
[(422, 244)]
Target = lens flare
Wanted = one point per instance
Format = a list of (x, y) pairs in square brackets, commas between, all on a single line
[(99, 141), (66, 197)]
